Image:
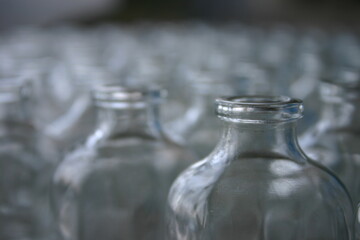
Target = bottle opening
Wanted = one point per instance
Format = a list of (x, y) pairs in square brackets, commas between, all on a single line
[(115, 96), (258, 109)]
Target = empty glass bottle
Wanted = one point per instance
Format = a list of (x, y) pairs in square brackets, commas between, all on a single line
[(24, 173), (334, 141), (257, 183), (115, 186), (77, 117)]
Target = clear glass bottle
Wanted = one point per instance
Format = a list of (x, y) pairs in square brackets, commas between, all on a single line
[(334, 141), (115, 185), (76, 117), (258, 183), (24, 172)]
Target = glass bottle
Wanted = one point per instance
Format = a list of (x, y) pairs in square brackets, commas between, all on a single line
[(115, 185), (334, 141), (258, 183), (24, 172), (77, 117)]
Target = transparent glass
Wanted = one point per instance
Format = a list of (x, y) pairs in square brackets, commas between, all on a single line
[(76, 116), (115, 185), (24, 172), (334, 141), (258, 183)]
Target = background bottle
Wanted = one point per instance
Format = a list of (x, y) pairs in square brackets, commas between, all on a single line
[(25, 172), (334, 140), (115, 185)]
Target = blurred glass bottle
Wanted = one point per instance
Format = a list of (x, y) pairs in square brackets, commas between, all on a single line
[(76, 116), (24, 172), (334, 141), (66, 115), (257, 183), (115, 185)]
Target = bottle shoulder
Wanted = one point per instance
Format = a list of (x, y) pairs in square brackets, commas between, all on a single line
[(223, 200), (262, 180), (135, 145), (143, 156)]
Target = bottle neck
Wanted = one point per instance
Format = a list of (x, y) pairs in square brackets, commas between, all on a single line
[(114, 123), (277, 140)]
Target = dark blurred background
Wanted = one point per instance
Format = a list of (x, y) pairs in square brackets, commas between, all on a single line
[(324, 13)]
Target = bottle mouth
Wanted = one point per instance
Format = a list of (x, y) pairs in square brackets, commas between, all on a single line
[(116, 96), (258, 109)]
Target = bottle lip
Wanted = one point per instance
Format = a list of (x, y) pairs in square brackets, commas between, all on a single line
[(117, 96), (258, 109)]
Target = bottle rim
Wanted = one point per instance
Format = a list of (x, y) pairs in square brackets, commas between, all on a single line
[(259, 109), (117, 96)]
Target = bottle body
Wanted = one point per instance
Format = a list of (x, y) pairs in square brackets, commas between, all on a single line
[(119, 191), (334, 140), (24, 170), (338, 150), (25, 177)]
